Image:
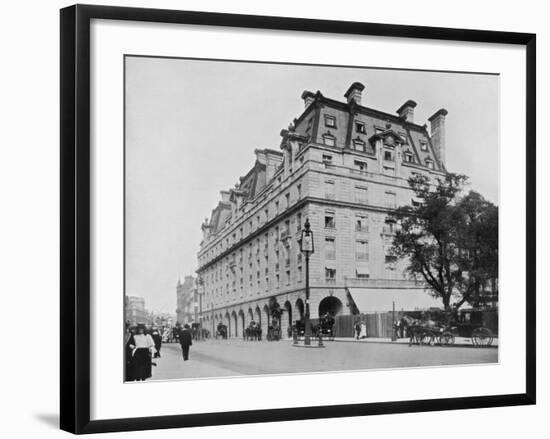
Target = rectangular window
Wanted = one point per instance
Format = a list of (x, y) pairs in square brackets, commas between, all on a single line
[(361, 223), (309, 124), (388, 156), (277, 281), (330, 223), (276, 207), (299, 188), (329, 190), (361, 250), (360, 127), (409, 158), (330, 249), (330, 273), (327, 158), (298, 222), (287, 200), (389, 200), (390, 261), (423, 146), (361, 195), (430, 164), (299, 274), (288, 277), (330, 121), (389, 171), (329, 140), (359, 166)]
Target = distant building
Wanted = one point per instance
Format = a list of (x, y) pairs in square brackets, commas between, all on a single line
[(185, 292), (135, 310), (344, 166)]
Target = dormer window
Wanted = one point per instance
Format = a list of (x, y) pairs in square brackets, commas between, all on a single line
[(330, 121), (360, 128), (430, 163), (329, 140), (423, 146), (409, 158), (388, 156)]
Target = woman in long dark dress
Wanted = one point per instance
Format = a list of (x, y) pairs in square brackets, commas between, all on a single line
[(142, 346), (128, 372)]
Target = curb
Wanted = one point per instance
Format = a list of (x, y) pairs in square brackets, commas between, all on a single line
[(373, 341)]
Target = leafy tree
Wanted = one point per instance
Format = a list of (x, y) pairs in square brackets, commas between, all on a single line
[(478, 240), (449, 241)]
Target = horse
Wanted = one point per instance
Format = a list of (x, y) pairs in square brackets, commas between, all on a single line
[(253, 332)]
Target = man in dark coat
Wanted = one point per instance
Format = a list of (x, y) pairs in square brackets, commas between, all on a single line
[(186, 341), (157, 338)]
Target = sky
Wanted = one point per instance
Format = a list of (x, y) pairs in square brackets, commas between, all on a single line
[(192, 127)]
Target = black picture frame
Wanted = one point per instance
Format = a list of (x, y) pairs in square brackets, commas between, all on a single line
[(75, 216)]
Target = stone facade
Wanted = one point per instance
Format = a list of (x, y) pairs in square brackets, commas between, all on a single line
[(343, 166), (185, 292), (135, 310)]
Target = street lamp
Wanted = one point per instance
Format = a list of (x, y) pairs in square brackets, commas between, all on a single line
[(200, 283), (307, 247)]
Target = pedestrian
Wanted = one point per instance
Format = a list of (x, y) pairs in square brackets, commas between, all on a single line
[(363, 333), (128, 372), (402, 326), (186, 340), (142, 346), (357, 329), (157, 338)]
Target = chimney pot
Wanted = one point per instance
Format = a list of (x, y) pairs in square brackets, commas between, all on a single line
[(354, 93), (308, 98)]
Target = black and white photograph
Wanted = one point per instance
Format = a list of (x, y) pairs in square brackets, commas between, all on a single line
[(293, 218)]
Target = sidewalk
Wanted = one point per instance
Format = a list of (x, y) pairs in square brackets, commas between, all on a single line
[(459, 341)]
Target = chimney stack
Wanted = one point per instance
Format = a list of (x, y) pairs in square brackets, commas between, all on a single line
[(308, 98), (225, 196), (437, 128), (406, 111), (354, 93)]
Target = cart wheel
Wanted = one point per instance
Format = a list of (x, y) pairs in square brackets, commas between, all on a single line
[(447, 339), (482, 337)]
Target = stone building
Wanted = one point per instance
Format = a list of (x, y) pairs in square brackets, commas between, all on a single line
[(135, 311), (343, 166), (185, 292)]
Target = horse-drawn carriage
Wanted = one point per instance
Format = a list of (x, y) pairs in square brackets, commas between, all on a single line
[(324, 328), (253, 331), (198, 332), (273, 331), (221, 331), (441, 329)]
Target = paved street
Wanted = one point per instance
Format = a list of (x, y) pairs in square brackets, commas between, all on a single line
[(237, 357)]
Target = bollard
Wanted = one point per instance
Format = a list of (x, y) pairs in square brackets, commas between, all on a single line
[(294, 336), (320, 339)]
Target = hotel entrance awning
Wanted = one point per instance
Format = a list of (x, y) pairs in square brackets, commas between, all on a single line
[(381, 299)]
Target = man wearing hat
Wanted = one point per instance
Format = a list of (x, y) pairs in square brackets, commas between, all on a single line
[(157, 338), (186, 341)]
